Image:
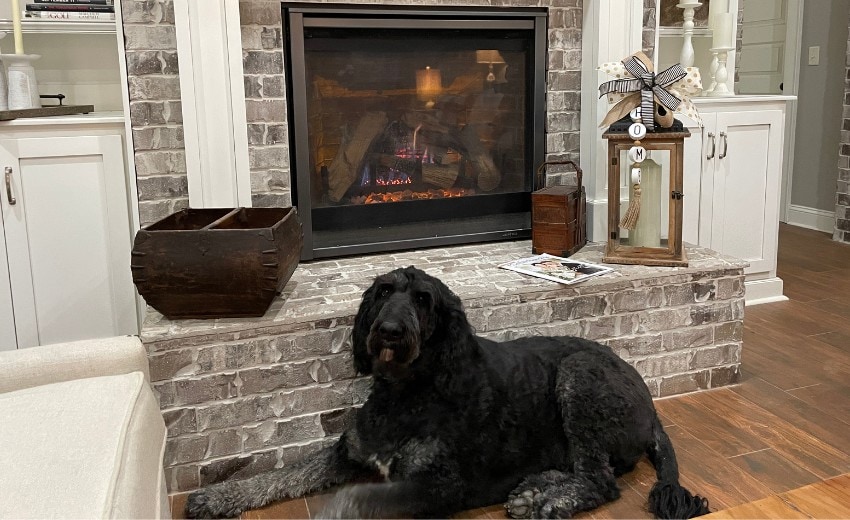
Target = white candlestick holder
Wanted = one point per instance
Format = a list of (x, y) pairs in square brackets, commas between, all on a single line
[(721, 89), (23, 87), (713, 72), (686, 58)]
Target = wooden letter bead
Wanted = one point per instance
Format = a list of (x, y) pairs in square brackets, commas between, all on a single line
[(637, 131), (637, 154)]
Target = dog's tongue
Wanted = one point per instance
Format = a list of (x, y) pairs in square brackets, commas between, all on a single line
[(386, 355)]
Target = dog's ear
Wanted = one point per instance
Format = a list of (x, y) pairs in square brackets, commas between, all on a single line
[(450, 312), (362, 324)]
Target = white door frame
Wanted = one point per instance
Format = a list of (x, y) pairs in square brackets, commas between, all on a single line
[(618, 33), (793, 40), (212, 92)]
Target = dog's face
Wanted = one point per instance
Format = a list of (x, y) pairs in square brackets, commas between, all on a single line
[(398, 316)]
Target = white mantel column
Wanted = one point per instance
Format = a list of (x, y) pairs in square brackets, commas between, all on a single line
[(212, 92), (613, 29)]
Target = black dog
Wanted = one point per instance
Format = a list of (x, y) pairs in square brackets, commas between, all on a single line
[(455, 422)]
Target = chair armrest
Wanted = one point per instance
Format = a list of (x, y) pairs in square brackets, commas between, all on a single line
[(36, 366)]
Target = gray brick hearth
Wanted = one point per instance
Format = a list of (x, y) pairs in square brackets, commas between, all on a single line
[(243, 395)]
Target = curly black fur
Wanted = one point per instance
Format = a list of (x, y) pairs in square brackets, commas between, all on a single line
[(455, 421)]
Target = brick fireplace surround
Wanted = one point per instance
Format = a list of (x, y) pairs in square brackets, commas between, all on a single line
[(242, 396)]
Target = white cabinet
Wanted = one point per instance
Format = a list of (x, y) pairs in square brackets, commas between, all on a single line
[(8, 338), (733, 172), (68, 234)]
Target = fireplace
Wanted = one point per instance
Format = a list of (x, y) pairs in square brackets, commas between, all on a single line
[(413, 127)]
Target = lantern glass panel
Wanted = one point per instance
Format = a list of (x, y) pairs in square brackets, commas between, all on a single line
[(652, 227)]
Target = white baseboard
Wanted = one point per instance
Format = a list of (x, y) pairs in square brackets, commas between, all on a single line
[(811, 218), (764, 291)]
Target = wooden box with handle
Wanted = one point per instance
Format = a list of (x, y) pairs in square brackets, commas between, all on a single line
[(558, 215)]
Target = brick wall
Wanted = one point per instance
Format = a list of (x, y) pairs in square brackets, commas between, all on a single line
[(842, 196), (241, 397), (650, 13), (150, 46)]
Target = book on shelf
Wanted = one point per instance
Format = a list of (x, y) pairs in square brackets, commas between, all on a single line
[(85, 8), (69, 15), (95, 2)]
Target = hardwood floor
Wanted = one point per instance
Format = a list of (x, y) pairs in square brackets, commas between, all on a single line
[(785, 427)]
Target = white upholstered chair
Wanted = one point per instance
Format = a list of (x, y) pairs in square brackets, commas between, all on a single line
[(81, 433)]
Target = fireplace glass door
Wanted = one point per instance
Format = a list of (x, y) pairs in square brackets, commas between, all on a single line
[(413, 128)]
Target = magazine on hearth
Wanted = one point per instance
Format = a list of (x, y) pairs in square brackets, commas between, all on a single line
[(556, 268)]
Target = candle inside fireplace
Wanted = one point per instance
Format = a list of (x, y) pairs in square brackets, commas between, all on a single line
[(16, 27)]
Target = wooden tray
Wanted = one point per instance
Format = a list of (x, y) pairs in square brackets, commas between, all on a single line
[(58, 110)]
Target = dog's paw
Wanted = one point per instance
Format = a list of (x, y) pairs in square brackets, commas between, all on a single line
[(559, 507), (212, 502), (521, 505), (347, 503)]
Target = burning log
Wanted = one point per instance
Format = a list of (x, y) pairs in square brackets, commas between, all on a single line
[(439, 175), (467, 141), (343, 170), (489, 176)]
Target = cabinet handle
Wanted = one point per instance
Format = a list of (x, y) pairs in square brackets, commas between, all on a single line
[(713, 146), (725, 145), (12, 200)]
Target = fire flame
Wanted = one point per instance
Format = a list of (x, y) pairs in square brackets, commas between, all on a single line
[(393, 182), (398, 196)]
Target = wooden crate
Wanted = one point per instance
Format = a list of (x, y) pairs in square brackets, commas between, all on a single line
[(558, 216), (216, 263)]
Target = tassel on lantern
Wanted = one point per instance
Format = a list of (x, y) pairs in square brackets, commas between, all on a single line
[(630, 219)]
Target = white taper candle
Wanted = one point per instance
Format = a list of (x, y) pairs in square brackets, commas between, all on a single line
[(16, 27), (716, 7)]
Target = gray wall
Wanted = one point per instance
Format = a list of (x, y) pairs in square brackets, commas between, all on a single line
[(819, 104)]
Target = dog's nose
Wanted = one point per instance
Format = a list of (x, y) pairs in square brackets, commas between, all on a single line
[(390, 330)]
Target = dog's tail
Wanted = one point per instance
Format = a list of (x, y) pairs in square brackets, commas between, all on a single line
[(667, 498)]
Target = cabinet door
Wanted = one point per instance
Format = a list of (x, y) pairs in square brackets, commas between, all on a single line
[(68, 239), (8, 338), (747, 174)]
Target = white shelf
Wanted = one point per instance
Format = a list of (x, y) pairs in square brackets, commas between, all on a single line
[(106, 117), (62, 26)]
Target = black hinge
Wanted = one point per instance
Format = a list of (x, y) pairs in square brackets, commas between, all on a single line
[(678, 195), (613, 235), (613, 161)]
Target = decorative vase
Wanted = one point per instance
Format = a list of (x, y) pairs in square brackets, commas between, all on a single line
[(4, 88), (23, 87)]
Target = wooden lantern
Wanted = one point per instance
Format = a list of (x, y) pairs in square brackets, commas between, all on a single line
[(655, 237)]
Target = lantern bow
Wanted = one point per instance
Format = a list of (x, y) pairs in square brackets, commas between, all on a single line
[(670, 88)]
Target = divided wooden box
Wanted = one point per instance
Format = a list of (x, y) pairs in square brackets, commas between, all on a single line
[(216, 263), (558, 215)]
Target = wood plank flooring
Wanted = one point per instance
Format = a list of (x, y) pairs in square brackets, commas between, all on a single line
[(770, 447)]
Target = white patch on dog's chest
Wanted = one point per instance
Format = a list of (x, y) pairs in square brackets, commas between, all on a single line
[(383, 466)]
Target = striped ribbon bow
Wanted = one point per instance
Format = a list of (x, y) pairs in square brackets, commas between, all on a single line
[(650, 85)]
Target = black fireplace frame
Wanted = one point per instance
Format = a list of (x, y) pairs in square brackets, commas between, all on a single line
[(297, 17)]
